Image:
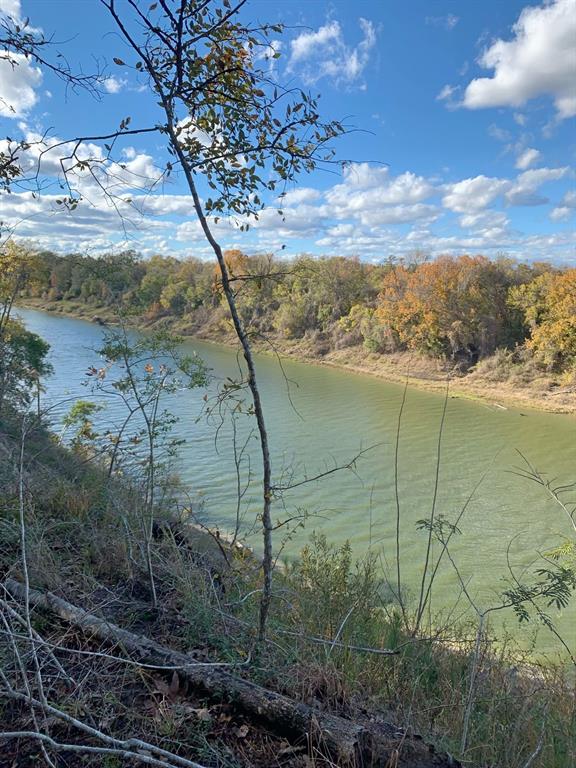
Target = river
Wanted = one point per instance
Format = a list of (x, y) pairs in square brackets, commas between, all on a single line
[(328, 418)]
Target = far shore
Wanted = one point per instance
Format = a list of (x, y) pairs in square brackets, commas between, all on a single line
[(400, 368)]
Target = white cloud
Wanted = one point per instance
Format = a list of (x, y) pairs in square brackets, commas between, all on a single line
[(364, 175), (306, 45), (538, 60), (473, 195), (527, 158), (524, 190), (300, 221), (371, 195), (11, 8), (325, 53), (19, 80), (114, 84), (300, 195), (398, 214), (483, 221), (500, 134), (566, 207), (447, 94)]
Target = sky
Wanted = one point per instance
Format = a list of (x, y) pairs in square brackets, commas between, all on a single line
[(464, 115)]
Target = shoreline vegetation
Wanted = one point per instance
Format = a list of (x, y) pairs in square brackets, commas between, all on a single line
[(543, 392), (501, 331)]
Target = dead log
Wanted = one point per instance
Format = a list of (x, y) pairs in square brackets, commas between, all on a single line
[(346, 742)]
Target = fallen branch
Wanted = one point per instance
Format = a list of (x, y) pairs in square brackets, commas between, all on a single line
[(87, 749), (347, 742)]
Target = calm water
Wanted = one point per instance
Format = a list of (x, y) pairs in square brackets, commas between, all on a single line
[(335, 414)]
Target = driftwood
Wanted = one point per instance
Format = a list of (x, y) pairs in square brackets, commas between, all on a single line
[(346, 742)]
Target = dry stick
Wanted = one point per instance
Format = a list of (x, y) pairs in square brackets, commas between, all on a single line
[(132, 747), (84, 748), (131, 662), (240, 492), (25, 681), (24, 556), (421, 602), (472, 684), (538, 747), (147, 525), (37, 638), (397, 497), (346, 740)]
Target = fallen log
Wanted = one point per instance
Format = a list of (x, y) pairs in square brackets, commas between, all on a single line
[(346, 742)]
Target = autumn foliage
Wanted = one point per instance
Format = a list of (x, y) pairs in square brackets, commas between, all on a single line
[(548, 305), (452, 307), (461, 309)]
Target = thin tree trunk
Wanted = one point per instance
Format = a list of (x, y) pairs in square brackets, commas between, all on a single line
[(267, 560)]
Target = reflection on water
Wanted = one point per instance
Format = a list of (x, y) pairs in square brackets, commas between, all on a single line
[(332, 415)]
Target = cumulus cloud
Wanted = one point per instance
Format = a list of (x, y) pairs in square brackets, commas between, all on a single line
[(11, 8), (300, 195), (325, 53), (114, 84), (398, 214), (371, 196), (19, 81), (566, 208), (527, 158), (538, 60), (483, 221), (525, 190), (473, 195)]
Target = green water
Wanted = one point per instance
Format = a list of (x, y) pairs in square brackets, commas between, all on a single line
[(329, 417)]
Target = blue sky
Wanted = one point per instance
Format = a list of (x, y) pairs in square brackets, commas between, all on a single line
[(466, 141)]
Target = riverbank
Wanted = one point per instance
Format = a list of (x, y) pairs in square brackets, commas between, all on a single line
[(496, 381)]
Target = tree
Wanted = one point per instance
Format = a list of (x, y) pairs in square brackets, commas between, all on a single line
[(22, 364), (226, 121), (548, 306), (452, 306), (140, 373), (22, 353), (19, 267)]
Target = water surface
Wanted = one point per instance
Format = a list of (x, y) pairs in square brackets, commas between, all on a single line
[(329, 417)]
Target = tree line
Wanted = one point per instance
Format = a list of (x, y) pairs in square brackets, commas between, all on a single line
[(458, 308)]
